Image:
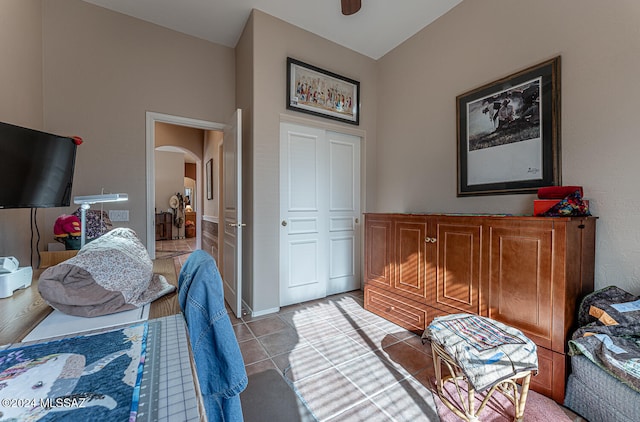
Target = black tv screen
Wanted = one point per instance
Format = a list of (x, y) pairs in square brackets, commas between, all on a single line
[(37, 168)]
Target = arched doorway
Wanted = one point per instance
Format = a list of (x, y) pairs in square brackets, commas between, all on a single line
[(152, 120)]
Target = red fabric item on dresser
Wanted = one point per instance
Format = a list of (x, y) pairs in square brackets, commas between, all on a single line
[(558, 192)]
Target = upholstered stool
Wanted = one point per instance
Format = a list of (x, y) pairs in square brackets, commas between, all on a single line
[(486, 355)]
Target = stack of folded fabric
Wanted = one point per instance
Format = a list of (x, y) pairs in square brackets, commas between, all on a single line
[(557, 201)]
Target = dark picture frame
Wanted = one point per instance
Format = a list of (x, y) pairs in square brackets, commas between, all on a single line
[(322, 93), (209, 178), (509, 133)]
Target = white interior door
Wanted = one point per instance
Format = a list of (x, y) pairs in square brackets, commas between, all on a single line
[(232, 214), (343, 212), (303, 274), (319, 208)]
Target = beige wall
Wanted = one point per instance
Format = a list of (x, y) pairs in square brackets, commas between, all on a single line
[(212, 141), (169, 181), (480, 41), (96, 76), (274, 40), (191, 142), (191, 139), (20, 104), (103, 71), (245, 101)]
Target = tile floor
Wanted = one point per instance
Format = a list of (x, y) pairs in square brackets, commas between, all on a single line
[(175, 245), (347, 363), (178, 249)]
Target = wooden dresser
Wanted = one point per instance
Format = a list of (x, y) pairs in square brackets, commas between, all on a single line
[(164, 225), (190, 231), (527, 272)]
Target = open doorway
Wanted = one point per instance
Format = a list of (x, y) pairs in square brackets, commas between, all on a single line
[(176, 193), (200, 187)]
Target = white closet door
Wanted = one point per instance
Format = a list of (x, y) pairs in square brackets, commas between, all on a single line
[(344, 212), (319, 207)]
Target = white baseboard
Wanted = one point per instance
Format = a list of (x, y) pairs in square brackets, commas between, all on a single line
[(253, 314)]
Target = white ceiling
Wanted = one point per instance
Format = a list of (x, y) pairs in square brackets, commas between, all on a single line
[(379, 26)]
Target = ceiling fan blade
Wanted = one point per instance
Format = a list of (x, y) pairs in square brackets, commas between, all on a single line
[(349, 7)]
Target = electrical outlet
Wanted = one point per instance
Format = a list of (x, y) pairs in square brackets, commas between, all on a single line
[(119, 215)]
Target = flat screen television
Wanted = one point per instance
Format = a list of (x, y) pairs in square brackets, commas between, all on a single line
[(37, 168)]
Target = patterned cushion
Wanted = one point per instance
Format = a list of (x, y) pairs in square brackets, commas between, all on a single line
[(97, 224), (571, 206)]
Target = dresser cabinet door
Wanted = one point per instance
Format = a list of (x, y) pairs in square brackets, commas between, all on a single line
[(457, 244), (378, 250), (520, 275), (411, 248)]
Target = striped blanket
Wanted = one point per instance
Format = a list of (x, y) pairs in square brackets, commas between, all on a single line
[(487, 351)]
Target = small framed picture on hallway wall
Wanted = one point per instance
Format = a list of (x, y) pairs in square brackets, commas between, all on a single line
[(209, 177)]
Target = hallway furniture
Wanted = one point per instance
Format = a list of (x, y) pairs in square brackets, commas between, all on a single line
[(190, 231), (163, 225)]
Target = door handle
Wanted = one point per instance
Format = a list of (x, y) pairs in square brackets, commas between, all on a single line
[(236, 225), (284, 223)]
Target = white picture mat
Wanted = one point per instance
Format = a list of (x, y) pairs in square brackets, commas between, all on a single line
[(510, 162), (59, 324)]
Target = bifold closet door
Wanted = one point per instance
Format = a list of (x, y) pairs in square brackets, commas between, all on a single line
[(320, 211)]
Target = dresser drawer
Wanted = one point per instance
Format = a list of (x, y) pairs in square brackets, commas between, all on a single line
[(407, 314), (552, 373)]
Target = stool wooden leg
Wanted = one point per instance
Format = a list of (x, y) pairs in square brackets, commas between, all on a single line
[(467, 410), (509, 389), (471, 398), (467, 406), (522, 400), (437, 370)]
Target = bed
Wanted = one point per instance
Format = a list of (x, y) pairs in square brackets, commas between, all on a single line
[(604, 384)]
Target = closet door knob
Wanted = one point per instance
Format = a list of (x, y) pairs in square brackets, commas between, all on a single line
[(284, 223)]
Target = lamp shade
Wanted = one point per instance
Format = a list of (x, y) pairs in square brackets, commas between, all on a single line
[(95, 199)]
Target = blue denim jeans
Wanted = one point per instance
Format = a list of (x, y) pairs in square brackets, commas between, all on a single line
[(219, 363)]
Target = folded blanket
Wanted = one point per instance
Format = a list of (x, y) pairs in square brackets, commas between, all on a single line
[(486, 350), (609, 333), (558, 192), (113, 273)]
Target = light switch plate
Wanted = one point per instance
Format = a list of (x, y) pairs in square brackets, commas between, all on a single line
[(119, 215)]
